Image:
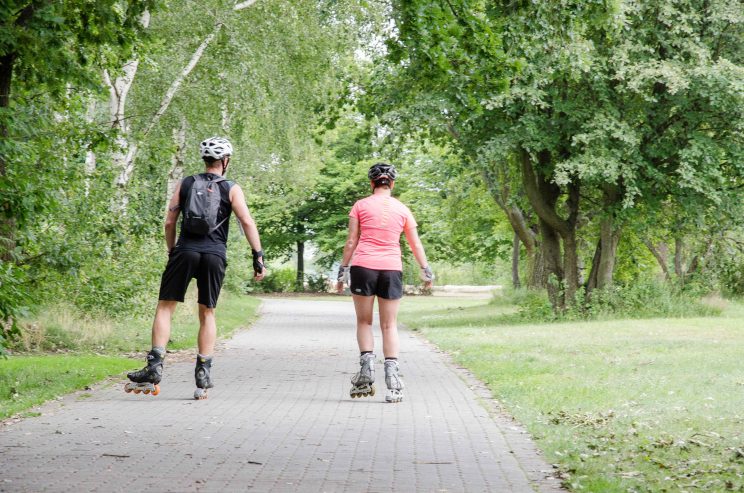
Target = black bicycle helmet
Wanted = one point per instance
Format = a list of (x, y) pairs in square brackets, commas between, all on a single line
[(382, 170)]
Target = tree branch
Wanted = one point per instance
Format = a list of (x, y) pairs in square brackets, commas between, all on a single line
[(545, 211), (176, 84)]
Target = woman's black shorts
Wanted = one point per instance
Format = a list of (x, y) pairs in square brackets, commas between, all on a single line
[(183, 266), (387, 284)]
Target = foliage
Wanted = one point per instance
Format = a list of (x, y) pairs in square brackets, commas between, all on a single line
[(260, 82), (50, 54), (281, 280), (598, 106), (318, 283)]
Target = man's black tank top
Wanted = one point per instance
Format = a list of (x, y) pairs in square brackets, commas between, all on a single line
[(216, 241)]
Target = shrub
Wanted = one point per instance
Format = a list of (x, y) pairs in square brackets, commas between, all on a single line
[(642, 299), (276, 281), (318, 284)]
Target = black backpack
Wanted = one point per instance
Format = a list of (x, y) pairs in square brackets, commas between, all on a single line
[(202, 206)]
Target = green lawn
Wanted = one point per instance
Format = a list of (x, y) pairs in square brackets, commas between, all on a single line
[(621, 405), (28, 379)]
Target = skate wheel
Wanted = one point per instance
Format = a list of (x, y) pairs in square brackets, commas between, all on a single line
[(372, 391), (200, 394), (157, 390), (146, 391), (127, 389), (137, 391)]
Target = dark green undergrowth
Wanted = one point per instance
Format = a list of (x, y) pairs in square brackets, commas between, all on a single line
[(26, 381)]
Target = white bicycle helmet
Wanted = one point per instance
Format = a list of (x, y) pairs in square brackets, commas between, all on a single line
[(216, 148)]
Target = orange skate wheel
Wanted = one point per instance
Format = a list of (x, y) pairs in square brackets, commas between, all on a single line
[(157, 390), (146, 391)]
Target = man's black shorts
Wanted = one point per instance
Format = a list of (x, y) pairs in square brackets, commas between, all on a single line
[(387, 284), (207, 268)]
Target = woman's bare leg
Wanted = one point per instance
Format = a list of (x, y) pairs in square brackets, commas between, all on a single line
[(363, 305), (389, 326)]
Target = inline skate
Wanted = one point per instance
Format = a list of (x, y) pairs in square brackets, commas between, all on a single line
[(393, 382), (202, 376), (147, 379), (362, 382)]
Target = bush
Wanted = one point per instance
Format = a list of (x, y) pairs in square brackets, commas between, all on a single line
[(276, 281), (318, 284), (647, 299), (729, 269), (642, 299)]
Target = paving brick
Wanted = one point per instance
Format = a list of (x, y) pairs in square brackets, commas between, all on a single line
[(280, 419)]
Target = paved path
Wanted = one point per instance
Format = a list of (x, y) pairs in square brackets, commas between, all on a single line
[(279, 419)]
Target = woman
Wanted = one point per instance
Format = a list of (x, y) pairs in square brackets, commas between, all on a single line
[(375, 225)]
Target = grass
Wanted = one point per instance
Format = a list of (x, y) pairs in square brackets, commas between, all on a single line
[(620, 405), (31, 377), (26, 381)]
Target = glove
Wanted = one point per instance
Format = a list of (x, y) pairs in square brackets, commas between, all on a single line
[(426, 274), (343, 274), (258, 261)]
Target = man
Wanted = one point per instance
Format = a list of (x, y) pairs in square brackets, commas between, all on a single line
[(206, 201)]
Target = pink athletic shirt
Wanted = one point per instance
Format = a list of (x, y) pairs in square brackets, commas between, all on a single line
[(381, 221)]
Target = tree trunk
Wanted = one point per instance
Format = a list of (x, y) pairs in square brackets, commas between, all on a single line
[(563, 275), (570, 245), (500, 193), (679, 267), (609, 239), (591, 283), (696, 261), (536, 272), (551, 252), (661, 254), (570, 267), (515, 262), (300, 266)]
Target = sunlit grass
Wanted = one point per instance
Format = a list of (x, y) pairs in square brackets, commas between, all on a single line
[(26, 381), (621, 405)]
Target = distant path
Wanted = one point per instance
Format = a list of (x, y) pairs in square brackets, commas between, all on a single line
[(279, 419)]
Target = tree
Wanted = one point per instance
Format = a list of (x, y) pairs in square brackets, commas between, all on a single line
[(597, 105), (48, 51)]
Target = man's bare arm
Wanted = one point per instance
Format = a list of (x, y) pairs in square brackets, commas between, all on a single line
[(240, 208), (171, 219)]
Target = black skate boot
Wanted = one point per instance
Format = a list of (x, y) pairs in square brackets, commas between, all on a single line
[(202, 377), (147, 379)]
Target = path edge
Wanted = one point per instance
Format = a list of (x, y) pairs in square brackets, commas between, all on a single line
[(543, 476)]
